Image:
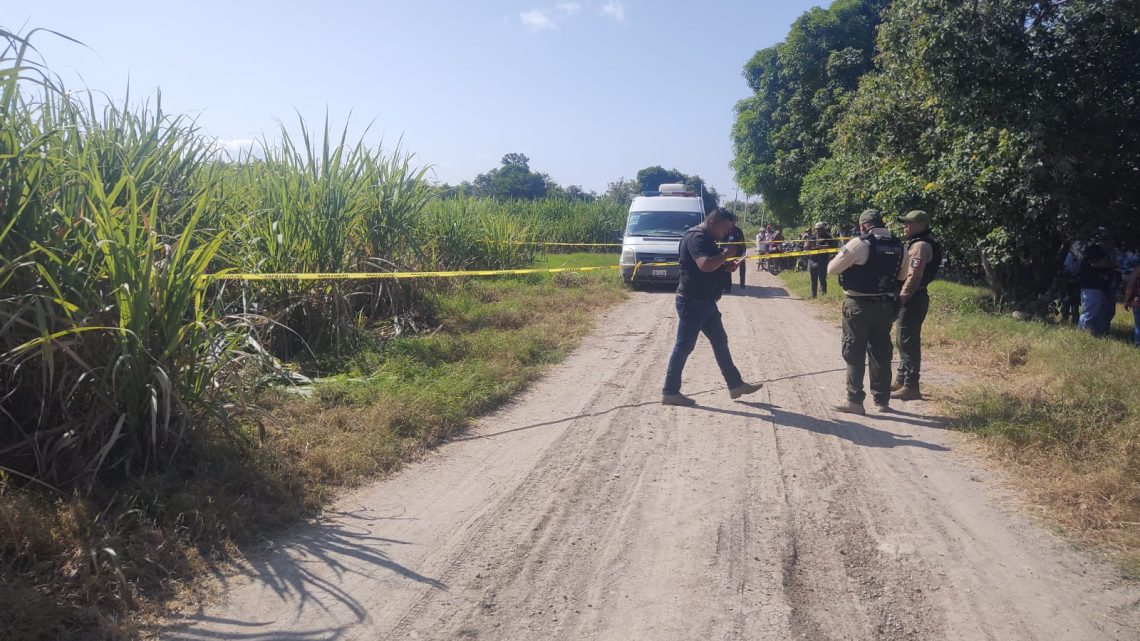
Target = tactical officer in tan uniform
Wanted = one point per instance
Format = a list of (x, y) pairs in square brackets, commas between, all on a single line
[(869, 268), (923, 258)]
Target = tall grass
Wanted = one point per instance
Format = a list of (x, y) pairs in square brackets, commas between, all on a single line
[(575, 221), (105, 353), (115, 351)]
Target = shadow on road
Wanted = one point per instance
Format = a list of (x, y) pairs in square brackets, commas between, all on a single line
[(857, 433), (251, 632), (343, 543), (615, 408), (758, 291)]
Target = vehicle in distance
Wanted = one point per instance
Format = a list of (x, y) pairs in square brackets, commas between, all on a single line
[(653, 229)]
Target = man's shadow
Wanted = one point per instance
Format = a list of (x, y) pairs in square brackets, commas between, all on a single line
[(857, 433)]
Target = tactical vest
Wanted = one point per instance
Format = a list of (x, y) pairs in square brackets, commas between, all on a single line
[(879, 275), (931, 270)]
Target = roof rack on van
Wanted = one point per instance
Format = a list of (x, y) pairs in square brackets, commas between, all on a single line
[(669, 193)]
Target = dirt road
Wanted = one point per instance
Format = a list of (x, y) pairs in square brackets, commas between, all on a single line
[(586, 510)]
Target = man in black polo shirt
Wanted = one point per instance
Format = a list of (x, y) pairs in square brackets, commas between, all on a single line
[(700, 288)]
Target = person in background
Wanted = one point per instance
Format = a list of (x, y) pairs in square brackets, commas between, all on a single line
[(1132, 303), (1099, 282), (698, 291), (1071, 285), (869, 269), (817, 264), (806, 240), (735, 239), (777, 246), (768, 234)]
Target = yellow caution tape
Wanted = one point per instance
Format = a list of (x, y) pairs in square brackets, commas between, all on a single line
[(639, 265), (806, 252), (737, 242), (313, 276), (546, 244), (780, 242), (400, 275)]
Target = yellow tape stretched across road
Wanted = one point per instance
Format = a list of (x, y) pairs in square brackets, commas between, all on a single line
[(736, 242), (785, 242), (402, 275), (546, 244), (311, 276), (795, 254), (739, 259)]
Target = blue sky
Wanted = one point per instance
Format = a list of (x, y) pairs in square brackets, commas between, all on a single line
[(591, 90)]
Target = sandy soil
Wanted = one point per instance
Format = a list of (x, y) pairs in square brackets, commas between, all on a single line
[(586, 510)]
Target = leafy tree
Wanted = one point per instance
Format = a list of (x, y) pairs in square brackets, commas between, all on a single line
[(462, 190), (801, 89), (1016, 124), (522, 160), (622, 191), (513, 179), (575, 192), (651, 178)]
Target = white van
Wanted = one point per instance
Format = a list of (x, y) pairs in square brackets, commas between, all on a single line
[(653, 229)]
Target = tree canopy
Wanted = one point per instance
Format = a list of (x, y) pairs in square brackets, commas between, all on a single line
[(1014, 123), (801, 88), (513, 179), (651, 178)]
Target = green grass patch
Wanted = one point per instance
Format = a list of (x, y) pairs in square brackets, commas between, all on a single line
[(799, 284), (578, 259), (491, 338), (1057, 405)]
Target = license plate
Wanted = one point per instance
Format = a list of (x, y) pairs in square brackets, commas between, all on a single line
[(660, 273)]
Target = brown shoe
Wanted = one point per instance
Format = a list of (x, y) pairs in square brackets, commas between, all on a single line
[(907, 394), (744, 389), (896, 386), (850, 408)]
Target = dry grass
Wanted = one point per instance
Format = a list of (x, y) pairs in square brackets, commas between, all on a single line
[(1056, 407), (95, 567)]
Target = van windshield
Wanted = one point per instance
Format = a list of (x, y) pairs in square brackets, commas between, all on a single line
[(661, 223)]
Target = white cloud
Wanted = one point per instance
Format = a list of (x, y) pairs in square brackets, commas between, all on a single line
[(614, 10), (235, 147), (548, 19), (568, 8), (538, 20)]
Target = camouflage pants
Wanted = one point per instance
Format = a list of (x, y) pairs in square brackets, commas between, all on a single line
[(867, 324)]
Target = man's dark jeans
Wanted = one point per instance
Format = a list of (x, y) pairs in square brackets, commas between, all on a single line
[(909, 336), (867, 324), (1071, 302), (818, 272), (697, 316)]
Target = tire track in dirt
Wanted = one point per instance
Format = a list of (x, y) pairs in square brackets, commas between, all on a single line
[(838, 579)]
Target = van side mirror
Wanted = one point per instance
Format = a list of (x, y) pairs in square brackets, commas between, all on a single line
[(617, 236)]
